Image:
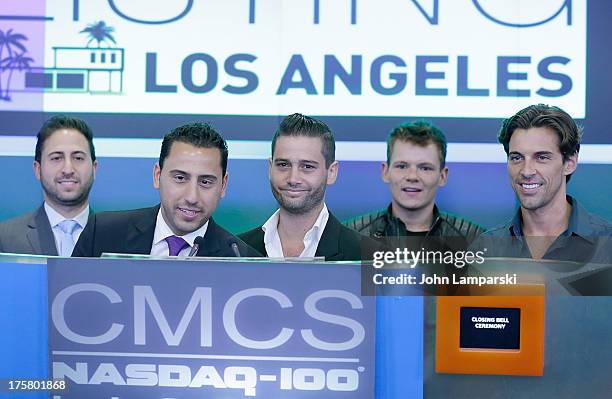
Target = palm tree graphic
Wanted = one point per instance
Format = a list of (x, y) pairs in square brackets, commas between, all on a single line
[(19, 62), (11, 42), (100, 32)]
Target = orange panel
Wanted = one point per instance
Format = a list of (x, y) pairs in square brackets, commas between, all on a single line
[(527, 360)]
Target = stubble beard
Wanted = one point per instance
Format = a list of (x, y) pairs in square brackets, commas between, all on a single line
[(535, 203), (304, 206), (80, 199)]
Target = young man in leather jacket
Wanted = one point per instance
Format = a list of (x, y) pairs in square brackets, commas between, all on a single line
[(415, 169)]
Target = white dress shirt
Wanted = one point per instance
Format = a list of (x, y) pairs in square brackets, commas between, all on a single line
[(272, 240), (162, 231), (56, 218)]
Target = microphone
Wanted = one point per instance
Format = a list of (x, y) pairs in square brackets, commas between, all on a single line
[(196, 246), (232, 243)]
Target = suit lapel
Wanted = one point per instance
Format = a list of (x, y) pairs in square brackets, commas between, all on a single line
[(211, 245), (140, 232), (328, 244), (258, 243), (40, 235)]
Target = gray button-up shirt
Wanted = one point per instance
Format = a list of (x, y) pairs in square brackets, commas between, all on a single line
[(587, 239)]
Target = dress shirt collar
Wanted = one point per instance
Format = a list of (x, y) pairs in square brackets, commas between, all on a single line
[(162, 231), (577, 223), (270, 226), (55, 217), (272, 239)]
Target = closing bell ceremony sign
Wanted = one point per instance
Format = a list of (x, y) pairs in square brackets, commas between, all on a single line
[(193, 329), (461, 58)]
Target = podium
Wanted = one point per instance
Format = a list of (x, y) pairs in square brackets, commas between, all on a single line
[(397, 352), (231, 328)]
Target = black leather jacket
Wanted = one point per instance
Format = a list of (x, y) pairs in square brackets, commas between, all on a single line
[(382, 223)]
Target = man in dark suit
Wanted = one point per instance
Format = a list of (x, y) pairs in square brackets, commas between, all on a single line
[(301, 167), (191, 178), (65, 163)]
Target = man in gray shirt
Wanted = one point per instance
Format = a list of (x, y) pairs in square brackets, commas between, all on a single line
[(542, 143)]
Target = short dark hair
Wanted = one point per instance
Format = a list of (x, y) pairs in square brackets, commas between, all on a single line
[(58, 122), (420, 133), (542, 115), (197, 134), (302, 125)]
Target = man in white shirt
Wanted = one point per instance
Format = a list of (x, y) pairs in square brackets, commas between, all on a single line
[(65, 163), (191, 176), (301, 167)]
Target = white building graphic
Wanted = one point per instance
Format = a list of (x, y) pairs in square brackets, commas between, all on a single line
[(78, 69)]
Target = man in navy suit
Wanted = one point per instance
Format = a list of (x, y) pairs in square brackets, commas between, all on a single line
[(65, 163), (191, 176)]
